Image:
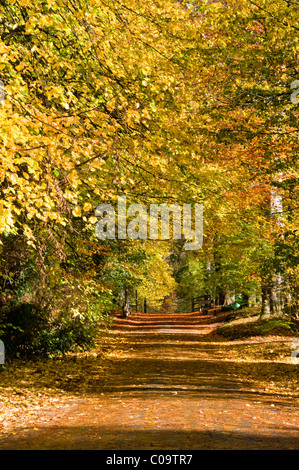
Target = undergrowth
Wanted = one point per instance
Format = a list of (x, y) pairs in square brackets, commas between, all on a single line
[(259, 327)]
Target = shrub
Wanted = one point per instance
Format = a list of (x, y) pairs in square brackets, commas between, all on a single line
[(28, 330)]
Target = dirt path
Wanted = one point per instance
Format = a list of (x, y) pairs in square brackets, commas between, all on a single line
[(171, 388)]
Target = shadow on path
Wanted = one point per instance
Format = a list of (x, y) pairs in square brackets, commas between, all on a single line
[(125, 438), (168, 390)]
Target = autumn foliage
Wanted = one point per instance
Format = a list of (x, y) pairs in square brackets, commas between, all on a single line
[(161, 101)]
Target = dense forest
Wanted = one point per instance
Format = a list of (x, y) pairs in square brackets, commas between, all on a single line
[(164, 102)]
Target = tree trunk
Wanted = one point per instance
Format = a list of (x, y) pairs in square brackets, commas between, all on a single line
[(126, 307), (265, 299), (221, 297), (245, 300)]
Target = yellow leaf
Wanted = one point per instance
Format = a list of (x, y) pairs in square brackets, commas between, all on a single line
[(77, 212), (87, 206)]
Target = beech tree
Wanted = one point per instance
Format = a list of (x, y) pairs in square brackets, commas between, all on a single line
[(162, 102)]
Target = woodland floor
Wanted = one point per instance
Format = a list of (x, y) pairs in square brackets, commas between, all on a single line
[(156, 381)]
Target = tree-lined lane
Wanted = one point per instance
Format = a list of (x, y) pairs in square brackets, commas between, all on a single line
[(170, 390)]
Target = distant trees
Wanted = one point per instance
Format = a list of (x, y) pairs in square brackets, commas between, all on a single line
[(160, 103)]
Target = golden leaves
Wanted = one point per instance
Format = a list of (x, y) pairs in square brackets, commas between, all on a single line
[(87, 207), (6, 220), (77, 212)]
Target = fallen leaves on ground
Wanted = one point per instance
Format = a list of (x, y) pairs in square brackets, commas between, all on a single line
[(187, 360)]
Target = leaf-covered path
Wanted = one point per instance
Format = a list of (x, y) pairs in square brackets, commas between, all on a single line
[(171, 386)]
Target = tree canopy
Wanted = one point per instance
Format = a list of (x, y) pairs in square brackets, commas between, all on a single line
[(163, 102)]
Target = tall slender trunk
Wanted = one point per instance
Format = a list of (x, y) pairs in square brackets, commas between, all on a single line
[(265, 298), (126, 307)]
